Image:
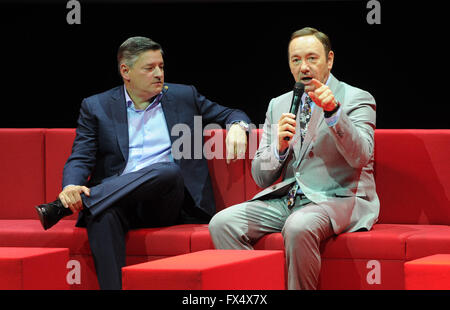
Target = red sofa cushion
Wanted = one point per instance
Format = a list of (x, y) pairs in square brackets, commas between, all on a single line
[(22, 167), (29, 233), (428, 242), (412, 173), (162, 241)]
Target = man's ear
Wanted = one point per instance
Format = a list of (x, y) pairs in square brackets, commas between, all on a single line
[(124, 70), (330, 60)]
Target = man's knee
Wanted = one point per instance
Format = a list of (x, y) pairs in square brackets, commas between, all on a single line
[(303, 227), (217, 224), (170, 173), (166, 179), (224, 223)]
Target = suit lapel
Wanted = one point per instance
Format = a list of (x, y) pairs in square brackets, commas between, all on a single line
[(170, 110), (120, 120), (314, 124), (313, 127)]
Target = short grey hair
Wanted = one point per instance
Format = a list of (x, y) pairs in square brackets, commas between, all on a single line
[(130, 50)]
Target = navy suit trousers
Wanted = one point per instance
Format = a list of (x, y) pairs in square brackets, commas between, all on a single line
[(150, 197)]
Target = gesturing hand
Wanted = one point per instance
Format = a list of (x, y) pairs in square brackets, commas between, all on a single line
[(322, 96)]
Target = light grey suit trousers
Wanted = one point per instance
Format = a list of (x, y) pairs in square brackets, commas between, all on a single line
[(303, 228)]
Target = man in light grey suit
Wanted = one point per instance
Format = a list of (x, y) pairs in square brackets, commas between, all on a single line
[(327, 182)]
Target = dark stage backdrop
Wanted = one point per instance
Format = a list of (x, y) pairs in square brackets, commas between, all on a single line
[(234, 52)]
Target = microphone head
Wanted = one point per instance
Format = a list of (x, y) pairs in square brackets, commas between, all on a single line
[(299, 88)]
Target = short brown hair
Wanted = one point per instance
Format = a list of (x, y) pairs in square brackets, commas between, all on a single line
[(130, 50), (308, 31)]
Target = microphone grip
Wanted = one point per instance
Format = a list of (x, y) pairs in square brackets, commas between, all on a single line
[(294, 108)]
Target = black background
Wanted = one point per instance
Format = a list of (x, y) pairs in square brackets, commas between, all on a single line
[(234, 52)]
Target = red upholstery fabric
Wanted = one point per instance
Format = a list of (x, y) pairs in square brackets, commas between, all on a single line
[(58, 146), (210, 269), (227, 179), (412, 172), (428, 273), (22, 167), (165, 241), (361, 274), (29, 233), (201, 240), (428, 242), (384, 241), (33, 268)]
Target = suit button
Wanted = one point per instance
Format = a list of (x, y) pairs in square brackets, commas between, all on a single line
[(311, 153)]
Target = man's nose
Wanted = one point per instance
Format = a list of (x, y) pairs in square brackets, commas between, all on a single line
[(157, 71), (304, 67)]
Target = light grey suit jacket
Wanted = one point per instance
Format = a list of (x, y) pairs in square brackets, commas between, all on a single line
[(334, 166)]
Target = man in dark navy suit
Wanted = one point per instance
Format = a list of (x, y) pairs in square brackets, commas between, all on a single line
[(123, 172)]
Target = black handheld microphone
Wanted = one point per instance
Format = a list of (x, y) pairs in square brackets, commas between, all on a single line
[(299, 88)]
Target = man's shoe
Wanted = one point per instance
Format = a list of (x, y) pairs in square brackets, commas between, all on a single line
[(51, 213)]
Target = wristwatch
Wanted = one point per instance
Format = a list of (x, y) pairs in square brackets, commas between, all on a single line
[(330, 113), (243, 125)]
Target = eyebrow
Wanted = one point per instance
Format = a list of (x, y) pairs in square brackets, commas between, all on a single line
[(308, 54)]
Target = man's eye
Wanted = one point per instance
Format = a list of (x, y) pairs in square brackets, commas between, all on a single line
[(296, 61)]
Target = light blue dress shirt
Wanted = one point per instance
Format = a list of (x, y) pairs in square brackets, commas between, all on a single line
[(149, 139)]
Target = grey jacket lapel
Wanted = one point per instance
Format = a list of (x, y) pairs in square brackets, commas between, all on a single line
[(314, 125)]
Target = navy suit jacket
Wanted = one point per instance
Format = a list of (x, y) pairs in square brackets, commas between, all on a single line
[(100, 149)]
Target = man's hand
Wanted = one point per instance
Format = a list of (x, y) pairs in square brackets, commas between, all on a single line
[(322, 96), (236, 143), (286, 128), (71, 198)]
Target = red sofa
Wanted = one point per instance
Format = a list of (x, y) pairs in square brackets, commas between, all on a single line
[(413, 182)]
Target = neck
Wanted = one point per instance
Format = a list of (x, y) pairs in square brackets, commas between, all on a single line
[(140, 101)]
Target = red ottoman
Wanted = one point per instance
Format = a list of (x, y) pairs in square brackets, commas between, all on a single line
[(209, 270), (33, 268), (428, 273)]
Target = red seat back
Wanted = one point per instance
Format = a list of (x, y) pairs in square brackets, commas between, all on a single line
[(22, 170), (412, 173)]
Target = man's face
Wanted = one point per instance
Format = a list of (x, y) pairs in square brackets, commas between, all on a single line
[(146, 75), (307, 60)]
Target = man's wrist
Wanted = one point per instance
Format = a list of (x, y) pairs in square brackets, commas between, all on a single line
[(328, 114), (242, 124)]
